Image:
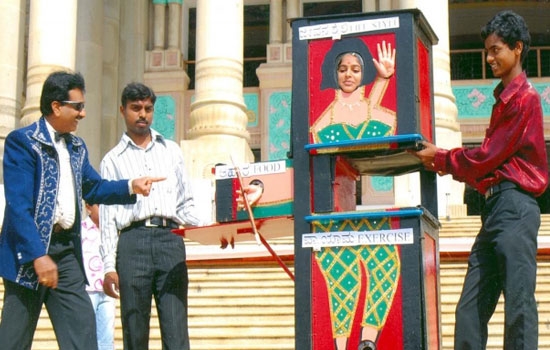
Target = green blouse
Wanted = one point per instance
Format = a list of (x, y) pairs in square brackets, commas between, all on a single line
[(343, 132)]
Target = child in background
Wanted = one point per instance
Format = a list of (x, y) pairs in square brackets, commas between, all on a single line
[(104, 305)]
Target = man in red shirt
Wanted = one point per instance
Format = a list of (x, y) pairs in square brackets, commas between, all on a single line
[(510, 168)]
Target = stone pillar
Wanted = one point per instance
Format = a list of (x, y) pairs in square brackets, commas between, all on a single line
[(218, 117), (275, 47), (385, 5), (369, 5), (275, 21), (52, 43), (174, 25), (133, 29), (173, 57), (448, 135), (166, 54), (89, 61), (110, 82), (159, 26), (12, 37), (293, 10)]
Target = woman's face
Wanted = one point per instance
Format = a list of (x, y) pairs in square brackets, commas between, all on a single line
[(349, 73)]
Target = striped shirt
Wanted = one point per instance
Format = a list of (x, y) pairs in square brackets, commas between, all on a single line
[(171, 198)]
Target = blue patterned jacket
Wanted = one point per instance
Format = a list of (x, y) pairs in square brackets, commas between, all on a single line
[(31, 176)]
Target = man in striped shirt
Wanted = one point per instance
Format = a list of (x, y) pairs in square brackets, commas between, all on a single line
[(142, 257)]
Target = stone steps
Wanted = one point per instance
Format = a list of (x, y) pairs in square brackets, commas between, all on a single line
[(250, 305)]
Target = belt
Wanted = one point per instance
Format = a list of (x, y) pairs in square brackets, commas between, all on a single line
[(152, 222), (504, 185)]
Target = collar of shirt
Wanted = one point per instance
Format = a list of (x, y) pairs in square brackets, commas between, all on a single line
[(506, 93), (52, 132), (56, 136), (128, 142)]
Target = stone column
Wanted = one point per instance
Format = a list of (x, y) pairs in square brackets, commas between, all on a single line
[(448, 135), (174, 24), (12, 37), (293, 10), (275, 21), (89, 61), (110, 82), (159, 26), (173, 55), (275, 47), (218, 119), (132, 46), (166, 53), (369, 5), (384, 5), (52, 43)]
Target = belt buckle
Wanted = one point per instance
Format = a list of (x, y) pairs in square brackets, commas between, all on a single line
[(148, 223), (156, 221)]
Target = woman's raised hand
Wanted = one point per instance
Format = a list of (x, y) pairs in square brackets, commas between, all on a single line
[(385, 65)]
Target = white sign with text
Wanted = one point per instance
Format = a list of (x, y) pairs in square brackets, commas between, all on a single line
[(337, 29), (352, 238), (250, 169)]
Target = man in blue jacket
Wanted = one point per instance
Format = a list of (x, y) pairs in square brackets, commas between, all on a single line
[(46, 176)]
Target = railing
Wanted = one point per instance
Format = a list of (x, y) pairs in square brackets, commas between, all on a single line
[(468, 64), (471, 64)]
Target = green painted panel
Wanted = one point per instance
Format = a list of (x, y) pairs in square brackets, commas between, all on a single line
[(164, 118), (164, 2), (476, 101), (544, 92), (251, 102), (382, 183), (279, 125)]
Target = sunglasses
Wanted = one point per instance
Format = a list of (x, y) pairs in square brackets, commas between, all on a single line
[(78, 106)]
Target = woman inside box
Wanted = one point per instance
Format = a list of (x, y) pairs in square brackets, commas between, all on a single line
[(352, 115)]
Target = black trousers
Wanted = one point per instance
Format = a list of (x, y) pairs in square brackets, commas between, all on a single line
[(151, 263), (502, 260), (69, 306)]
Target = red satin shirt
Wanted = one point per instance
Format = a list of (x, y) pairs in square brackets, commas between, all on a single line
[(513, 148)]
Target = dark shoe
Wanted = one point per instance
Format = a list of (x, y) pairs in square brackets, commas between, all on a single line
[(366, 345)]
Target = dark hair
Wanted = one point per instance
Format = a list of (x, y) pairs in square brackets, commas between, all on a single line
[(333, 57), (137, 92), (354, 54), (57, 87), (511, 28)]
